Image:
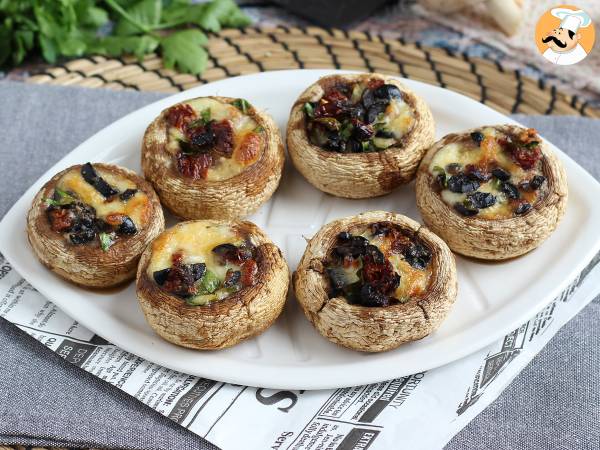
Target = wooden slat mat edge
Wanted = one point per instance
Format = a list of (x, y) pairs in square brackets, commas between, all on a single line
[(238, 52)]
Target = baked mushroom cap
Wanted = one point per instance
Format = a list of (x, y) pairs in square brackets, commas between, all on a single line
[(374, 329), (88, 264), (494, 239), (359, 175), (220, 323), (235, 196)]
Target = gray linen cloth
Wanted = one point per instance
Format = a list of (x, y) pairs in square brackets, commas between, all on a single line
[(553, 404)]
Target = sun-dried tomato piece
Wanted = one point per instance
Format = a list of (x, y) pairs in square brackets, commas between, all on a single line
[(380, 275), (61, 220), (223, 132), (529, 135), (177, 258), (179, 115), (332, 104), (526, 157), (180, 281), (375, 83), (249, 271), (400, 242), (194, 166), (115, 219), (248, 150)]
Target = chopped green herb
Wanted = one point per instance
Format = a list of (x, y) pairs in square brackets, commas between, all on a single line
[(241, 104), (329, 123), (106, 240), (259, 129), (208, 284), (366, 146), (532, 144), (200, 300), (205, 114), (309, 110), (496, 183), (346, 130), (64, 198)]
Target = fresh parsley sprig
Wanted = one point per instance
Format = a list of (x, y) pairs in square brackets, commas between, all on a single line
[(73, 28)]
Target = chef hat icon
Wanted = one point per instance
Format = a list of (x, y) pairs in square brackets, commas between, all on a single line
[(572, 20)]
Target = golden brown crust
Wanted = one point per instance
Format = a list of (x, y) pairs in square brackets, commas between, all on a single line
[(237, 196), (221, 323), (494, 239), (374, 329), (358, 175), (88, 265)]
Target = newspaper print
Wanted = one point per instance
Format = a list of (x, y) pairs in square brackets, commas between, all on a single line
[(376, 416)]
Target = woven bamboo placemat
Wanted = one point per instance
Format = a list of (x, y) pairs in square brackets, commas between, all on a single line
[(236, 52)]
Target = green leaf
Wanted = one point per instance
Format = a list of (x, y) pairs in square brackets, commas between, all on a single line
[(259, 129), (95, 16), (145, 12), (183, 50), (241, 104), (208, 284), (219, 12), (309, 109), (49, 48), (106, 240), (532, 144), (117, 45)]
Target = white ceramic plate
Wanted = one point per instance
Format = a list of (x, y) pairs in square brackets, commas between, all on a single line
[(493, 299)]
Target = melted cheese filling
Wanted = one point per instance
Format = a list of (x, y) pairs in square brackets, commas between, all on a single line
[(413, 282), (457, 153), (195, 242), (397, 119), (224, 168), (137, 207)]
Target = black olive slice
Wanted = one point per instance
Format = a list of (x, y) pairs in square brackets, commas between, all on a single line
[(461, 183), (127, 194), (501, 174), (160, 276), (536, 182), (127, 226), (198, 270), (387, 92), (82, 236), (477, 137), (465, 211), (510, 190), (369, 296), (482, 199), (522, 208), (89, 174)]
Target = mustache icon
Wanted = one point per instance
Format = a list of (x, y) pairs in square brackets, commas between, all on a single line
[(558, 42)]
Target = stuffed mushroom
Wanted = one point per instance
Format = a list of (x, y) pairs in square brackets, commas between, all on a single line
[(374, 281), (213, 158), (360, 135), (210, 284), (494, 192), (90, 223)]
